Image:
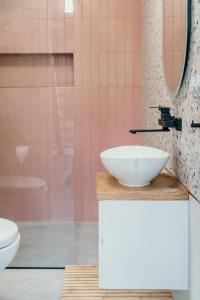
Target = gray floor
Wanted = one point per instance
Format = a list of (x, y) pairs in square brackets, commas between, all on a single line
[(48, 245), (57, 244), (31, 285)]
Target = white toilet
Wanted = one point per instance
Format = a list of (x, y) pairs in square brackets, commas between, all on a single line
[(9, 242)]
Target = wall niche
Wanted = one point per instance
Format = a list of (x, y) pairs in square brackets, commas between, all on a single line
[(36, 70)]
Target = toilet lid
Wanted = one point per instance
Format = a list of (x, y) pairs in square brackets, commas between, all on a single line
[(8, 232)]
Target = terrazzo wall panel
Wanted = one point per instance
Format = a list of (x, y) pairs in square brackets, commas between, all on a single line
[(184, 147)]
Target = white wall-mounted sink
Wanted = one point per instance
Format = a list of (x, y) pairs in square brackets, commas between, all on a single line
[(134, 166)]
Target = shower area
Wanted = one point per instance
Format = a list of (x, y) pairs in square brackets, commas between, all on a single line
[(70, 87)]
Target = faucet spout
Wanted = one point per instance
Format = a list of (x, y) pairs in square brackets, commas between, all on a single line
[(135, 131), (166, 121)]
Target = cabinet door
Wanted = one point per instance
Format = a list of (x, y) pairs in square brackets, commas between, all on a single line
[(143, 244)]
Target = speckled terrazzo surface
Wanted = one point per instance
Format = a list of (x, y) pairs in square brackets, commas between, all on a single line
[(184, 147)]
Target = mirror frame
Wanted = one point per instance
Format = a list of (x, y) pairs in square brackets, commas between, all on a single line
[(188, 15)]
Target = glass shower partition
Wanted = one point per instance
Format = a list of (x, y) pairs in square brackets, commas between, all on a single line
[(37, 130), (70, 87)]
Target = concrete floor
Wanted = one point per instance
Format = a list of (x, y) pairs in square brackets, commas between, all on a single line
[(48, 245), (57, 244), (31, 284)]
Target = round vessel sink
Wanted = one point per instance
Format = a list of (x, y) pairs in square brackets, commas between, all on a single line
[(134, 166)]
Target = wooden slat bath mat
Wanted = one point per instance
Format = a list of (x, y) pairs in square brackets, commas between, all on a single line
[(81, 283)]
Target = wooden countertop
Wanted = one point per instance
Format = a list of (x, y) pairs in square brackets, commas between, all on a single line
[(164, 187)]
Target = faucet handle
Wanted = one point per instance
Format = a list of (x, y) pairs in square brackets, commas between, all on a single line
[(161, 108), (195, 125)]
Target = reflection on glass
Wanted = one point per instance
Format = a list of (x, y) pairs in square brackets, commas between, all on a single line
[(174, 41), (21, 152), (69, 6)]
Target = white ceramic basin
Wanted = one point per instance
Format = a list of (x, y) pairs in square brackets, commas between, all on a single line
[(134, 166)]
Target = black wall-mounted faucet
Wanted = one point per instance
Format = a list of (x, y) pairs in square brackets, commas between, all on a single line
[(166, 121), (195, 125)]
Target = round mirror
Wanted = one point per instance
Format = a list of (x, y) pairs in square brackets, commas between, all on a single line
[(176, 30)]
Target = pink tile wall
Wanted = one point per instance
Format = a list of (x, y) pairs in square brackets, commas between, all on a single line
[(35, 26), (42, 120), (108, 90), (66, 128)]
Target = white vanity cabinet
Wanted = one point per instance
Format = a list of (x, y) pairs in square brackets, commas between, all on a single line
[(143, 244)]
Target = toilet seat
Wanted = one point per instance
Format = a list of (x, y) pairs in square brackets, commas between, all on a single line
[(8, 233)]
